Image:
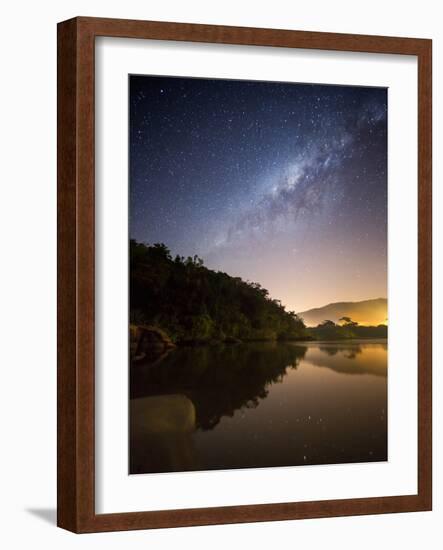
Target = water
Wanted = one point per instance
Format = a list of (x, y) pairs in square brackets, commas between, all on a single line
[(259, 405)]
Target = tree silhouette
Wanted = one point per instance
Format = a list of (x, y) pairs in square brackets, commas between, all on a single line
[(194, 304), (327, 323), (348, 322)]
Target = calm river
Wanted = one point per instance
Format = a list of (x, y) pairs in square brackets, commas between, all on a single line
[(258, 405)]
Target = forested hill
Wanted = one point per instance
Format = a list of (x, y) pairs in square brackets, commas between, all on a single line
[(192, 303)]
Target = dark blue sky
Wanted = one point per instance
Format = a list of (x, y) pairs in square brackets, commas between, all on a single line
[(279, 183)]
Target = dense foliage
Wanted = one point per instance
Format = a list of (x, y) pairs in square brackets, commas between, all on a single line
[(195, 304), (328, 330)]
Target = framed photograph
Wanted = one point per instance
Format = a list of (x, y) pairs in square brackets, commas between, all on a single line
[(244, 275)]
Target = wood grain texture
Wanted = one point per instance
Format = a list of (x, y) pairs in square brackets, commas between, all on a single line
[(67, 482), (425, 275), (76, 333)]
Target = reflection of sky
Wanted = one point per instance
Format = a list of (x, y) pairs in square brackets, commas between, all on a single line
[(353, 359), (283, 184), (322, 412)]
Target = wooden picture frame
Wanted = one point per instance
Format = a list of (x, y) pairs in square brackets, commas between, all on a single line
[(76, 509)]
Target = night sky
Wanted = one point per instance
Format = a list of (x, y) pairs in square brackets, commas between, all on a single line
[(279, 183)]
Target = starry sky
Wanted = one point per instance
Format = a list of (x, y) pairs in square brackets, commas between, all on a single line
[(283, 184)]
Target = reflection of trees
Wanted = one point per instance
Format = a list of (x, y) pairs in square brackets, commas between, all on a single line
[(350, 351), (352, 358), (219, 380)]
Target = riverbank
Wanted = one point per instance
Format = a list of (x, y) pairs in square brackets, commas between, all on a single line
[(146, 340), (146, 337)]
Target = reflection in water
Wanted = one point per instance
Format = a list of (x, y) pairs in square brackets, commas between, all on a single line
[(258, 405), (165, 423), (354, 358)]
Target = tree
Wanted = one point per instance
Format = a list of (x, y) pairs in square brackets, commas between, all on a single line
[(161, 251), (327, 323), (348, 322), (193, 303)]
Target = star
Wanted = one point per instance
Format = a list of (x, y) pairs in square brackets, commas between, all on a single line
[(241, 173)]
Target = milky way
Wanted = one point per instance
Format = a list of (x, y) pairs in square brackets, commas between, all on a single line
[(280, 183)]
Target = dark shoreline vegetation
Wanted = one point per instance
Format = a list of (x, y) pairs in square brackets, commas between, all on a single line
[(179, 301)]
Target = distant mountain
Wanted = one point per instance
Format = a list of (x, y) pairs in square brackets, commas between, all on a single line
[(368, 312)]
